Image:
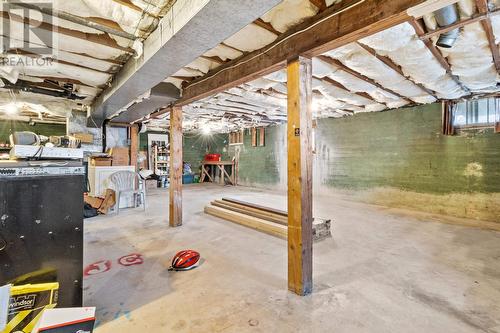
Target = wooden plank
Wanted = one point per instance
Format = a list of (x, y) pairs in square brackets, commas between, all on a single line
[(299, 132), (252, 205), (254, 137), (134, 145), (175, 215), (338, 25), (250, 212), (456, 25), (255, 210), (249, 221)]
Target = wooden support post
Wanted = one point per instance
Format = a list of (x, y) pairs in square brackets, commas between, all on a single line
[(175, 167), (134, 145), (300, 217)]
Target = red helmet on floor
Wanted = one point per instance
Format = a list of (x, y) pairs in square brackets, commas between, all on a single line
[(185, 260)]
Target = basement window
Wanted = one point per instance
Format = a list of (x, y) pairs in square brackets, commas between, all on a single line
[(236, 138), (477, 113)]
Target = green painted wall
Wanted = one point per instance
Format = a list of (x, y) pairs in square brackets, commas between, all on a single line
[(7, 127), (404, 149), (401, 148), (195, 146), (261, 164)]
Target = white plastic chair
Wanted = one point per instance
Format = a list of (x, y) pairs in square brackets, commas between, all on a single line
[(128, 182)]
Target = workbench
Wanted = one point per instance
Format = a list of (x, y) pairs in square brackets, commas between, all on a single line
[(220, 168)]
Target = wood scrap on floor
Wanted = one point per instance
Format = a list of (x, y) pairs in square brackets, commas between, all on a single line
[(265, 219), (101, 204)]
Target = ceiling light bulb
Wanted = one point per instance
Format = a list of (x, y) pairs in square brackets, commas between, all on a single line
[(11, 109), (206, 130)]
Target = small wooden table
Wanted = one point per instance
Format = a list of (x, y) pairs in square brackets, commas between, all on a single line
[(221, 167)]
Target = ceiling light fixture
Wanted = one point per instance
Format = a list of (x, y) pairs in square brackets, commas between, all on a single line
[(11, 109)]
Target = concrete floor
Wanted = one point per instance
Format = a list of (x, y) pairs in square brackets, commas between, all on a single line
[(383, 271)]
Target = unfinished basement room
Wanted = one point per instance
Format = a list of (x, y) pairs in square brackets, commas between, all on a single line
[(250, 166)]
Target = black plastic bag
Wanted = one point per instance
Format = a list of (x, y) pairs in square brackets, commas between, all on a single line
[(89, 211)]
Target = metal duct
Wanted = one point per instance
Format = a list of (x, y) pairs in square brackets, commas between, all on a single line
[(161, 95), (445, 17)]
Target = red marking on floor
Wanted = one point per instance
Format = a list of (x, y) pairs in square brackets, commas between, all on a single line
[(131, 259), (97, 268)]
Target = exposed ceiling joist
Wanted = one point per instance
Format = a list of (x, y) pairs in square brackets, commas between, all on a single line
[(387, 61), (482, 6), (419, 29), (261, 23), (103, 25), (100, 39), (214, 59), (341, 86), (336, 26), (453, 26), (346, 69)]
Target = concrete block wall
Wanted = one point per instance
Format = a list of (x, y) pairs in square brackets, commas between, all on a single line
[(396, 158)]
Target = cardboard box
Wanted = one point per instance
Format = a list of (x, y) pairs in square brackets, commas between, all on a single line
[(84, 137), (120, 156), (101, 161), (27, 302)]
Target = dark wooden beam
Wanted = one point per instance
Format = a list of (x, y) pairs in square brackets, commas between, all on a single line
[(299, 138), (388, 62), (346, 69), (175, 212), (482, 7), (338, 25), (419, 29)]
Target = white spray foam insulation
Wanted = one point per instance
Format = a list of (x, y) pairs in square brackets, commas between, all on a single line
[(279, 76), (355, 57), (495, 23), (203, 65), (129, 19), (223, 52), (188, 72), (466, 8), (289, 13), (471, 59), (40, 103), (66, 43), (59, 70), (175, 81), (250, 38), (403, 47)]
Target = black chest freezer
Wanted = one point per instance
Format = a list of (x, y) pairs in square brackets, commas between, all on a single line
[(41, 227)]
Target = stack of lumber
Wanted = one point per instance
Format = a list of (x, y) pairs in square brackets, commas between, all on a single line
[(269, 220)]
